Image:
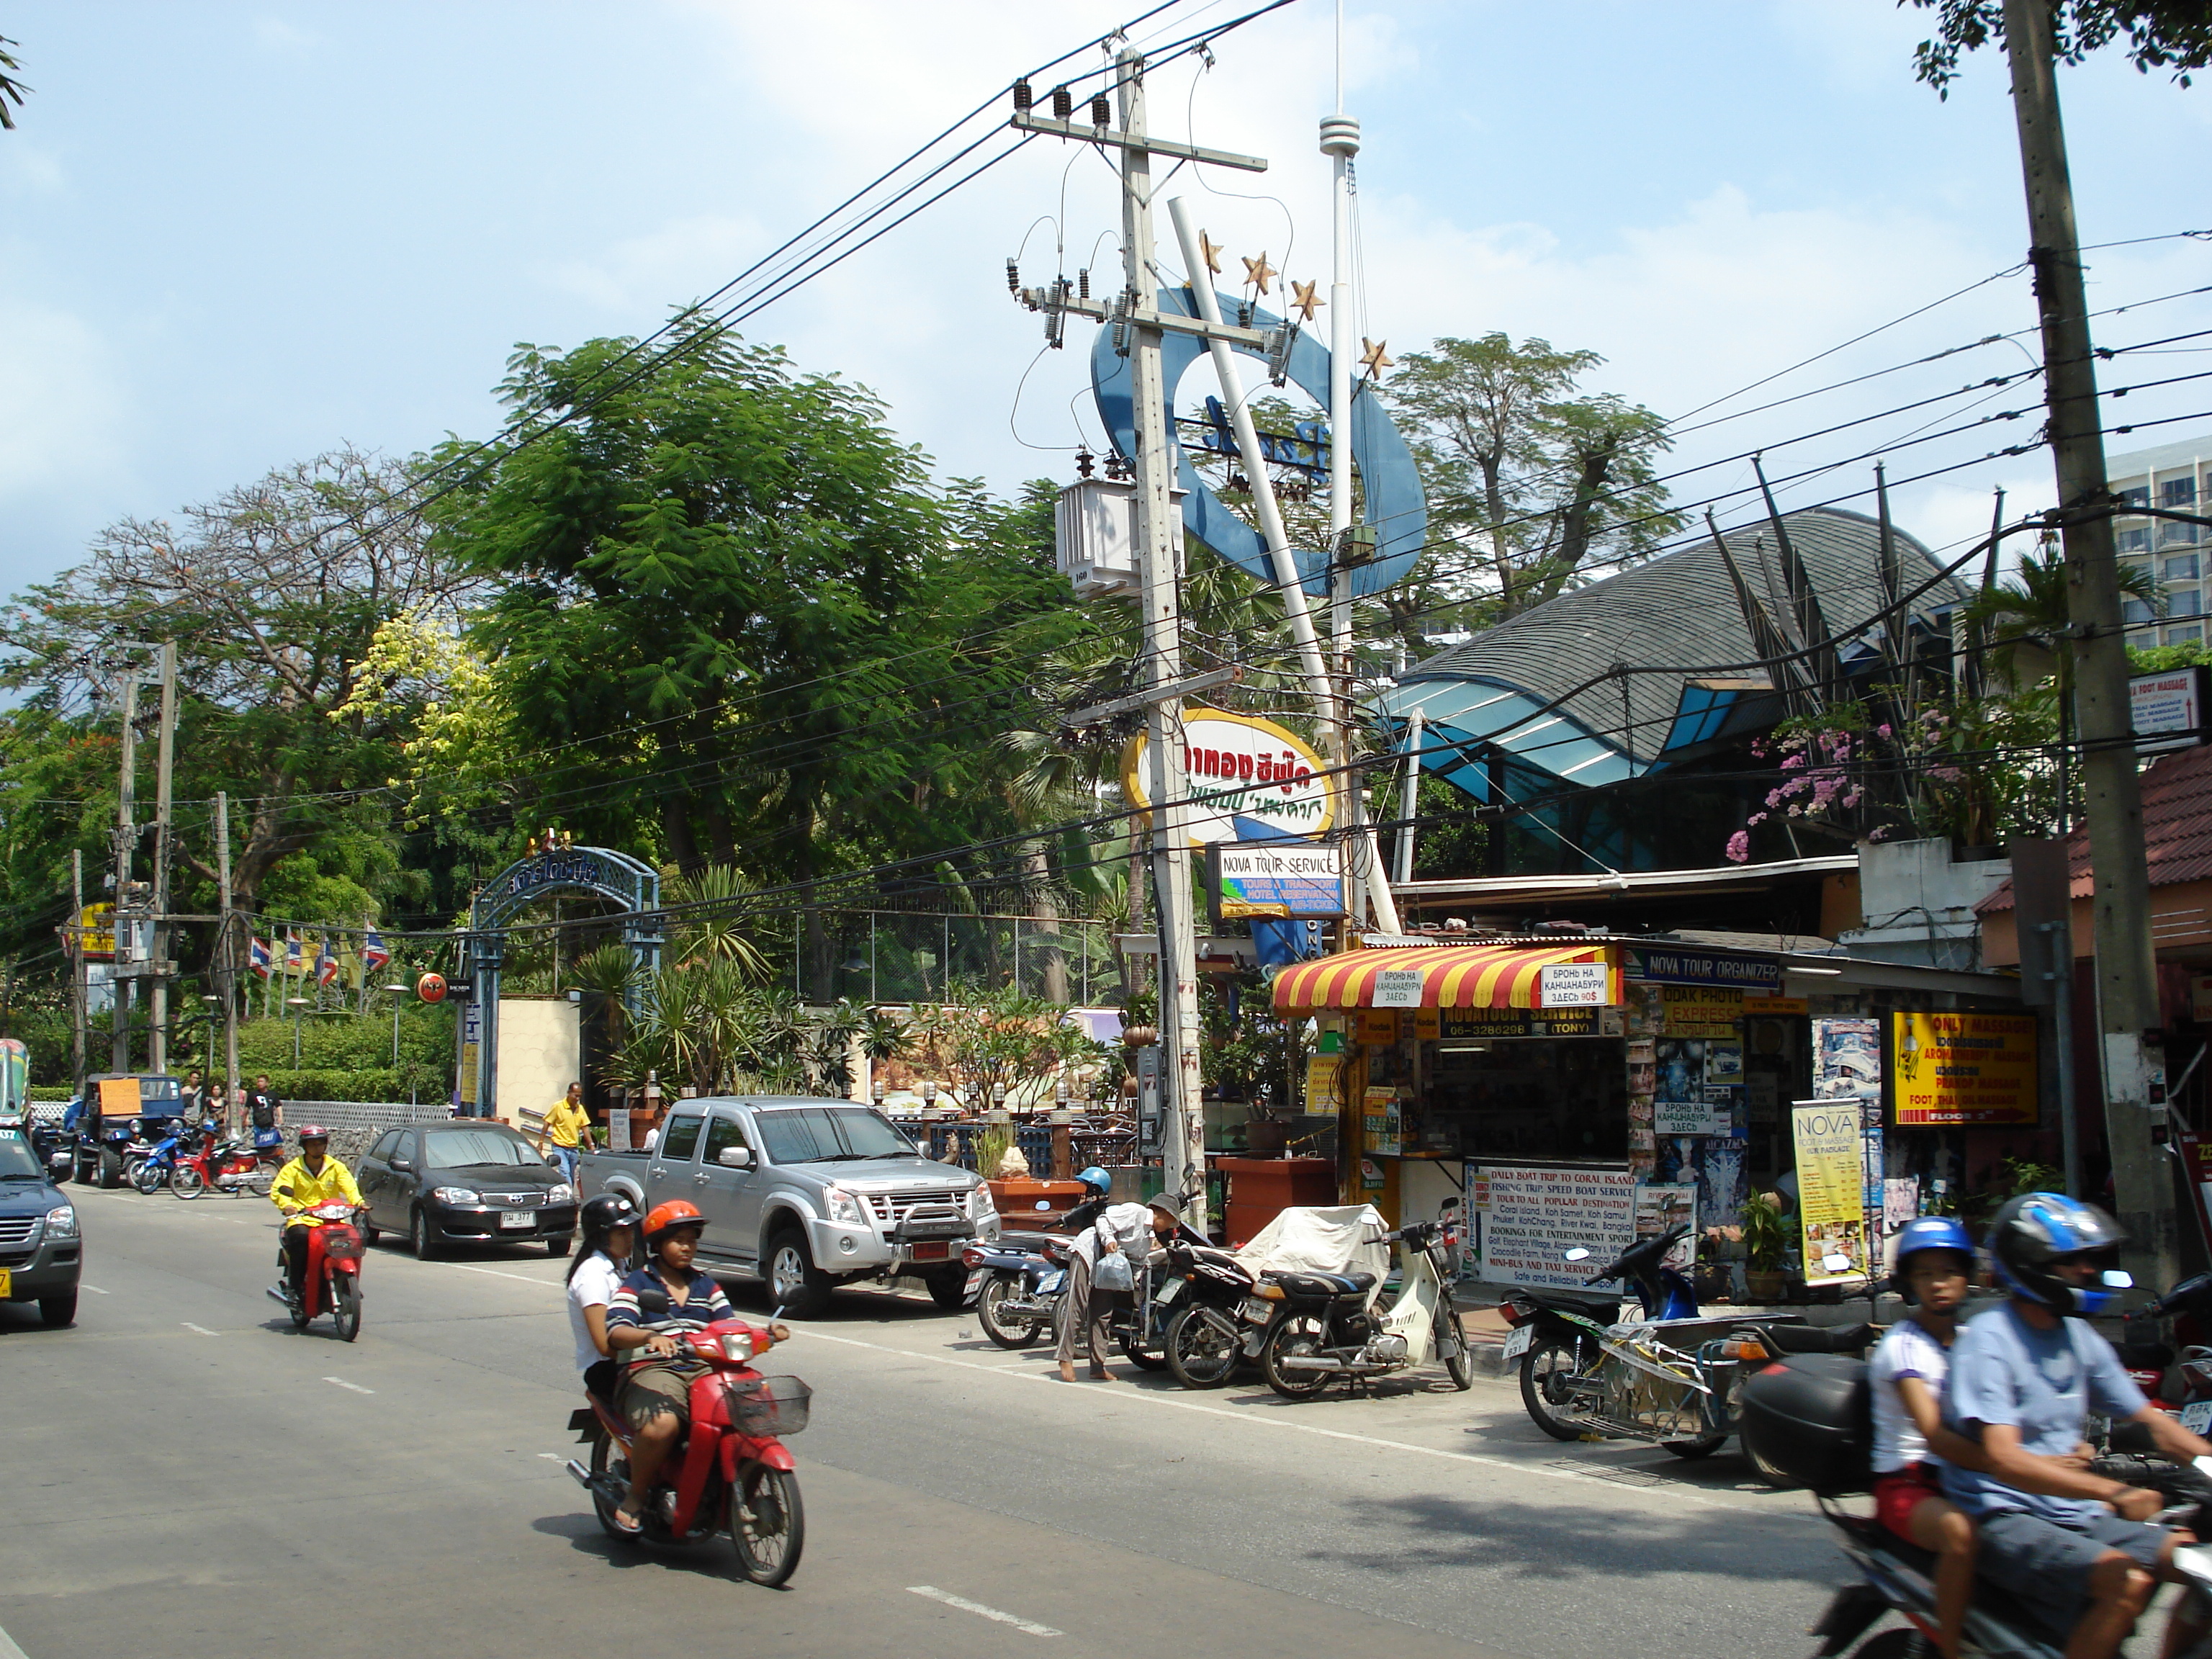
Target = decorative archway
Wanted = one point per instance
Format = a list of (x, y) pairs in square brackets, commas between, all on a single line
[(598, 870)]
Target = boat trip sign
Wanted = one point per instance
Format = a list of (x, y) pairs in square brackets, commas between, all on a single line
[(1247, 777)]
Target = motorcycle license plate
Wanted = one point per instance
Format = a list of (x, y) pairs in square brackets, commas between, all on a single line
[(1053, 1283), (1257, 1311), (517, 1219), (2196, 1416), (975, 1284), (1169, 1290), (929, 1252), (1522, 1340)]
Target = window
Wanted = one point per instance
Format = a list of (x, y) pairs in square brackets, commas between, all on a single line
[(830, 1134), (2177, 493), (723, 1133), (2139, 496), (2183, 602), (2181, 567), (387, 1144), (2170, 535), (2135, 541), (488, 1147), (679, 1138), (2133, 611), (2184, 636)]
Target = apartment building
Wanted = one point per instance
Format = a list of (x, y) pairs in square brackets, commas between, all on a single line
[(2178, 477)]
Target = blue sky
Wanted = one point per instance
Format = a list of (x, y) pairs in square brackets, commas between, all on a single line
[(233, 235)]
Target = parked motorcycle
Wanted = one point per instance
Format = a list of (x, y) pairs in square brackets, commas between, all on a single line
[(1203, 1337), (154, 1171), (1016, 1284), (1669, 1378), (1307, 1329), (233, 1166), (332, 1281), (731, 1473)]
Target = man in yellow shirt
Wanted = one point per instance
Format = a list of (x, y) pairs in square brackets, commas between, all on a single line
[(566, 1124), (309, 1182)]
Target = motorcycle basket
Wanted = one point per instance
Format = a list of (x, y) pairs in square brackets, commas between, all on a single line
[(769, 1405)]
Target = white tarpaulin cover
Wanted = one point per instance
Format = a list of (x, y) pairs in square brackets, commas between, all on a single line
[(1334, 1238)]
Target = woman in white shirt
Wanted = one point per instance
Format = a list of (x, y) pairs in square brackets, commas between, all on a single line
[(609, 1222)]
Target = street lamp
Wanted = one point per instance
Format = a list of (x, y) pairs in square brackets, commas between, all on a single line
[(295, 1004)]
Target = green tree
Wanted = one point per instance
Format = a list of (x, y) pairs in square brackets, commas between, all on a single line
[(11, 90), (2175, 35), (1540, 477)]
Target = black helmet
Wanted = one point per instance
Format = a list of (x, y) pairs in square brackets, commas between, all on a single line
[(609, 1210), (2031, 1234)]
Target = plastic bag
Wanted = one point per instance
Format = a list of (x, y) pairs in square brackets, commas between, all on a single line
[(1112, 1272)]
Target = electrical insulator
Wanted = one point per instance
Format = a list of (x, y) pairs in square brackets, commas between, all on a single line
[(1102, 114), (1014, 277), (1063, 103), (1083, 284), (1022, 99)]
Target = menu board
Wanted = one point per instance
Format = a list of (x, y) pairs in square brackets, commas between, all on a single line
[(1528, 1219)]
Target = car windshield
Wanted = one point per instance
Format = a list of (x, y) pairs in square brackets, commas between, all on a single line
[(17, 1158), (824, 1134), (462, 1149)]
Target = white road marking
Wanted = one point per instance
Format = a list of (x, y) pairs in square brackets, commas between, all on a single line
[(553, 1457), (965, 1606), (96, 1290), (544, 1284), (7, 1648), (1150, 1397), (188, 1326), (342, 1383)]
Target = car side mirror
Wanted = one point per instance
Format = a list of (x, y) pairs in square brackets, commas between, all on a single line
[(736, 1158), (403, 1164)]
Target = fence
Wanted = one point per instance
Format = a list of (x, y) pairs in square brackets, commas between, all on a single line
[(901, 957), (1107, 1143)]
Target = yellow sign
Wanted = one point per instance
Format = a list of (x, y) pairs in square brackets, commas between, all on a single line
[(1703, 1010), (1378, 1027), (1237, 767), (1831, 1189), (1428, 1024), (1321, 1073), (1379, 1121), (93, 936), (1976, 1069)]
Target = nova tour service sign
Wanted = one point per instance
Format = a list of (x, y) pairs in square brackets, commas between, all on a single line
[(1291, 879), (1248, 780)]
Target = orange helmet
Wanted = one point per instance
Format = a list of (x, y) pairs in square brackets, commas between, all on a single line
[(666, 1218)]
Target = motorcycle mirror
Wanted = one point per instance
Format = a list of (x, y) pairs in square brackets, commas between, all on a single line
[(652, 1302), (1577, 1254), (1835, 1264), (2117, 1279), (1044, 1204)]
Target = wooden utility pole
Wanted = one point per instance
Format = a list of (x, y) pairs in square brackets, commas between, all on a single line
[(2127, 979)]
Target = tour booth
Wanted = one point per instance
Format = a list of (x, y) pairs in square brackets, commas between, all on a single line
[(1581, 1089)]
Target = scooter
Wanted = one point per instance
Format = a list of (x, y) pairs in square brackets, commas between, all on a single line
[(1317, 1327), (1203, 1338), (155, 1171), (229, 1167), (332, 1280), (731, 1472), (1015, 1288)]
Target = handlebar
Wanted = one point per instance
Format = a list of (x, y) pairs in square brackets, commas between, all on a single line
[(1642, 1254)]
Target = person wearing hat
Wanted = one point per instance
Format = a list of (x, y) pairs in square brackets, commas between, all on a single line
[(310, 1181), (1088, 1308), (610, 1224)]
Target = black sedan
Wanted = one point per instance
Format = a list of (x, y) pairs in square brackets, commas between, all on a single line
[(470, 1181)]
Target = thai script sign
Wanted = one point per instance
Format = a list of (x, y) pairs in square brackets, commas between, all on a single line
[(1238, 767)]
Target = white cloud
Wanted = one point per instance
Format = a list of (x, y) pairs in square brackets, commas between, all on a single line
[(28, 168), (59, 423)]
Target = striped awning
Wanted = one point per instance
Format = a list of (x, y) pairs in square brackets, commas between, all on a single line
[(1452, 975)]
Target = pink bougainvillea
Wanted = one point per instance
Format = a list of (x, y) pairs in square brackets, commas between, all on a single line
[(1738, 846)]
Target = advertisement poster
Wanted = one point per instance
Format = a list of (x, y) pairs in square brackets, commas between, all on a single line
[(1698, 1010), (1379, 1120), (619, 1129), (1831, 1189), (1847, 1058), (1321, 1073), (1657, 1209), (1976, 1069), (1714, 1165), (1528, 1220)]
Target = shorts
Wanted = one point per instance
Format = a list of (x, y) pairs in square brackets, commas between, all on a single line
[(653, 1389), (1901, 1491), (2047, 1565)]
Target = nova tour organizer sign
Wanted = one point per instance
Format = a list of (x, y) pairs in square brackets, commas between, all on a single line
[(1248, 779)]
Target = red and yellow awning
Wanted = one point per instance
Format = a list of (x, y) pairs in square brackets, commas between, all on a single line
[(1452, 975)]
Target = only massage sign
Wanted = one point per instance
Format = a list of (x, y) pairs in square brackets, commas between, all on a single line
[(1248, 779)]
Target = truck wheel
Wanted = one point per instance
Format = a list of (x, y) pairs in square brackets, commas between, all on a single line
[(58, 1310), (794, 1282), (949, 1289), (111, 1166)]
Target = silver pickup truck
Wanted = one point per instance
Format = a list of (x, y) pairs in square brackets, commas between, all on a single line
[(806, 1195)]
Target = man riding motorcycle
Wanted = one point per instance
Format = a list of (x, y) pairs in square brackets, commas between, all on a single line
[(2072, 1547), (308, 1184)]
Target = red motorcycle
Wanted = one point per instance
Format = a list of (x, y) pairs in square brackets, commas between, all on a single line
[(232, 1166), (731, 1473), (333, 1275)]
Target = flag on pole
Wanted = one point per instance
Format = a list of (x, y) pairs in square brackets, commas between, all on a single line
[(295, 960), (261, 958), (326, 962), (374, 957)]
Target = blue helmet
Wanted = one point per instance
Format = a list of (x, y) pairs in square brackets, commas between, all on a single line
[(1097, 1178), (1929, 1233), (2035, 1231)]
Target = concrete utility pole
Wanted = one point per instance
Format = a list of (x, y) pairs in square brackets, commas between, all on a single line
[(77, 990), (126, 840), (227, 955), (2127, 980), (157, 1032)]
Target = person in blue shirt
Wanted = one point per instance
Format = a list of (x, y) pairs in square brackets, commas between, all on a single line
[(2075, 1548)]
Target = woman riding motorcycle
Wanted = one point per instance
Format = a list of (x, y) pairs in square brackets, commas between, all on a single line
[(610, 1224)]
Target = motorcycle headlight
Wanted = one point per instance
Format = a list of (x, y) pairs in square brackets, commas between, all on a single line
[(453, 1195), (736, 1345), (60, 1221), (562, 1193), (843, 1207)]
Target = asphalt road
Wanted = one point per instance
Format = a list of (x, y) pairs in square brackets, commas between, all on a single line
[(187, 1476)]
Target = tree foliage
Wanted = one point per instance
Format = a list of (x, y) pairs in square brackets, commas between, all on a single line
[(2168, 35)]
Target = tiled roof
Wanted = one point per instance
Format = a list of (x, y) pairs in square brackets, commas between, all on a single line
[(2177, 807)]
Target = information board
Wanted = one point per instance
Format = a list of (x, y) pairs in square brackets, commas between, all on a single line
[(1528, 1219), (1831, 1189), (1282, 878), (1977, 1069)]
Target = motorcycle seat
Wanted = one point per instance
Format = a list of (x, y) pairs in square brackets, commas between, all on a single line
[(1325, 1285), (1818, 1338)]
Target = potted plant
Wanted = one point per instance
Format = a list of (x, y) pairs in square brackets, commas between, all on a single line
[(1763, 1247)]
